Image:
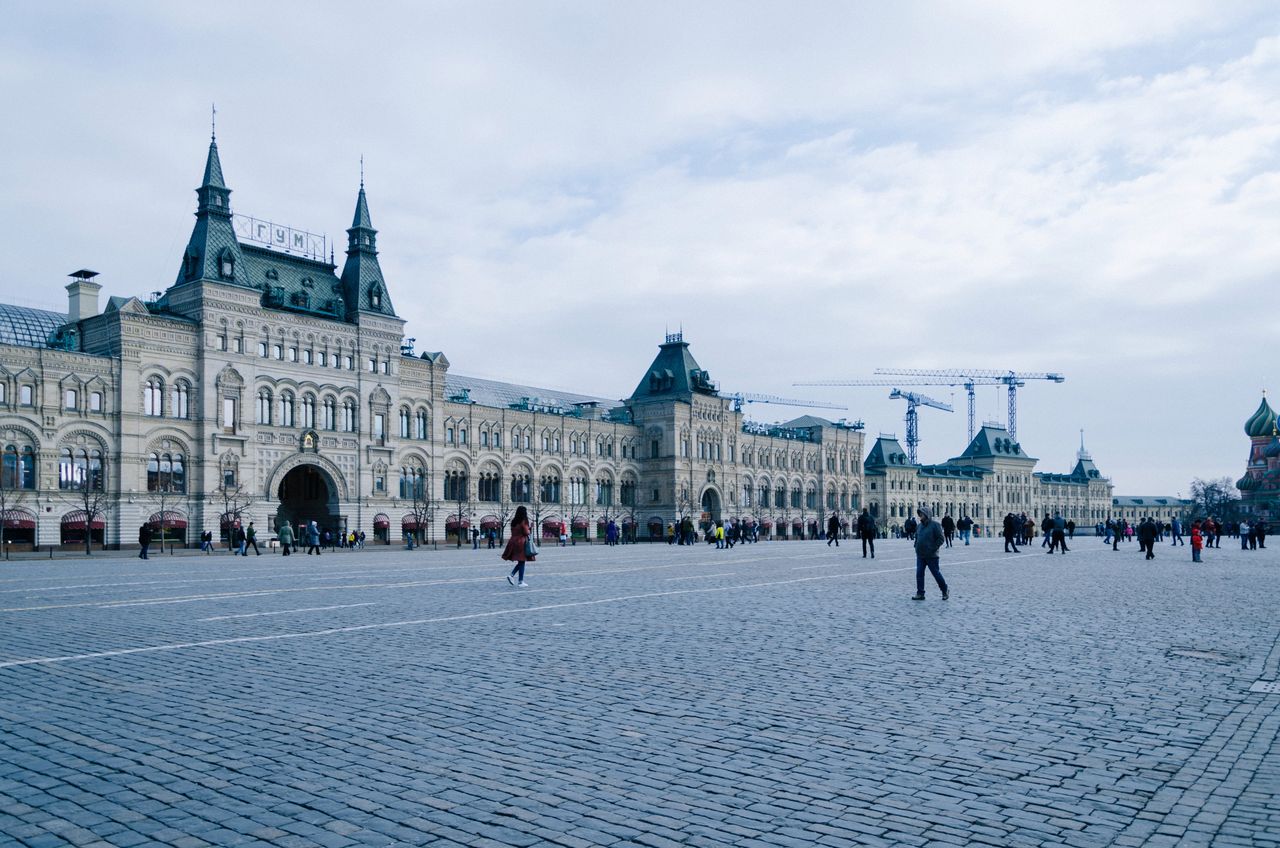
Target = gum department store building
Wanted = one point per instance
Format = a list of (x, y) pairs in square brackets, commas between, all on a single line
[(266, 385)]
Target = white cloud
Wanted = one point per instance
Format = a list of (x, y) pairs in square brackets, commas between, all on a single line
[(813, 191)]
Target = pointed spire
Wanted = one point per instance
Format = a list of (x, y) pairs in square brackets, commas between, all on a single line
[(361, 219), (213, 169)]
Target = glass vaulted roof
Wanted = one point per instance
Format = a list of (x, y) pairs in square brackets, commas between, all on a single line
[(28, 327)]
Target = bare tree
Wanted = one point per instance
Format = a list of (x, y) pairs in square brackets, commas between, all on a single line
[(422, 507), (165, 500), (235, 500), (11, 498), (89, 494), (1216, 498)]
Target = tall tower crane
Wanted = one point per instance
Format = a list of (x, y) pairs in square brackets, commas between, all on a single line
[(970, 377), (913, 431), (739, 398)]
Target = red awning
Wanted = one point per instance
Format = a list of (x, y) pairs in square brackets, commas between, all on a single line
[(409, 523), (381, 521), (579, 523), (170, 519), (76, 521), (18, 519), (452, 524), (766, 523), (489, 522)]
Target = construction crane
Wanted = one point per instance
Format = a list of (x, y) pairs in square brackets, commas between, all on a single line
[(739, 398), (971, 377), (913, 431)]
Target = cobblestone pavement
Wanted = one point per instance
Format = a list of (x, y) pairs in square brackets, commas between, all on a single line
[(778, 694)]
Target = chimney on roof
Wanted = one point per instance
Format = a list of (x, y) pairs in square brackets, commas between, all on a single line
[(82, 295)]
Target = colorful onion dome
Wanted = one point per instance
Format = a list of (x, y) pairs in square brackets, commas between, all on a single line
[(1272, 450), (1262, 422), (1246, 484)]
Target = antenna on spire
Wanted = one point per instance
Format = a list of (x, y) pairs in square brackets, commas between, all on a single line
[(213, 122), (362, 171), (1082, 440)]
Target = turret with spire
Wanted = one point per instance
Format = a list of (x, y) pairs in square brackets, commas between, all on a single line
[(363, 289), (213, 253)]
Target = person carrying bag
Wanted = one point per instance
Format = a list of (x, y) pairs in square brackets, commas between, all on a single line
[(520, 547)]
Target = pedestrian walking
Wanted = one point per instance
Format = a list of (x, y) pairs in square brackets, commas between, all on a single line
[(206, 541), (285, 535), (1011, 525), (1175, 528), (520, 547), (1059, 530), (833, 530), (1259, 534), (1246, 533), (313, 539), (867, 533), (242, 540), (948, 528), (965, 526), (928, 541), (251, 538), (144, 541), (1147, 537)]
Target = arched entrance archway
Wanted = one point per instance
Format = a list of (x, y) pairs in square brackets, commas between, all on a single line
[(307, 493), (711, 505)]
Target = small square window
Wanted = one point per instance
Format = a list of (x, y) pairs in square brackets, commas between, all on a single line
[(69, 399), (379, 484), (307, 357), (373, 366), (222, 343), (350, 363), (278, 351), (262, 349), (324, 359), (386, 366), (239, 345), (293, 354), (95, 401), (26, 395)]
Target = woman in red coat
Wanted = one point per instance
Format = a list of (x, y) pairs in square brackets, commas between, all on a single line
[(519, 547)]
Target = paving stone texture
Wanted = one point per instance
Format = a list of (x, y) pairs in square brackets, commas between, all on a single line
[(779, 694)]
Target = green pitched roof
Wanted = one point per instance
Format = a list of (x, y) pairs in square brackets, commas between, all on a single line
[(992, 441), (886, 451), (674, 374), (213, 168), (364, 289)]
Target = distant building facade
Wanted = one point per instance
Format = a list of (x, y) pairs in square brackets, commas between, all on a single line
[(991, 478), (268, 385)]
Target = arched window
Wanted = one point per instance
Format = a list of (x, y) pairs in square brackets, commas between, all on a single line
[(153, 397), (329, 418), (308, 411), (66, 470), (179, 402), (420, 425), (521, 491), (349, 416), (375, 296), (166, 473), (264, 406), (80, 469), (404, 423), (549, 488), (286, 409), (455, 485), (604, 492), (412, 483), (226, 261), (489, 487)]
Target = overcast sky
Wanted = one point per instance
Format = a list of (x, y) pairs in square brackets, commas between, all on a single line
[(811, 190)]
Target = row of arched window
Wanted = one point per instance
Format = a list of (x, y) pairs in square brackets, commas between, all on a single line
[(176, 404), (291, 411), (18, 467)]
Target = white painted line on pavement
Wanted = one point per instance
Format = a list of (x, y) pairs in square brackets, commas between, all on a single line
[(386, 625), (700, 576), (286, 612)]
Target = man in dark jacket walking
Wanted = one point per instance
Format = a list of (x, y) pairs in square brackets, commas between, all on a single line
[(833, 530), (948, 528), (1010, 528), (929, 539), (1146, 533), (867, 533), (144, 541)]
